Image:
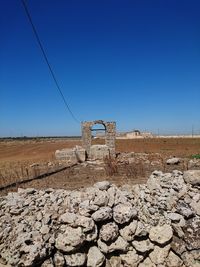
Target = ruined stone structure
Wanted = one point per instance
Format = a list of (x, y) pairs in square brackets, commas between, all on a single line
[(110, 133)]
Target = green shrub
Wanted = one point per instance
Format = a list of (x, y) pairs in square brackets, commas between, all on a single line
[(196, 156)]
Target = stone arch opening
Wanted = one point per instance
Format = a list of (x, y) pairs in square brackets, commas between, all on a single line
[(98, 131), (110, 133)]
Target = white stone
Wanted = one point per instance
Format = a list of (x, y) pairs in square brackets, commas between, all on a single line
[(95, 257), (192, 177), (128, 231), (59, 260), (173, 161), (159, 254), (173, 260), (70, 239), (147, 263), (161, 234), (103, 185), (123, 213), (108, 232), (130, 259), (76, 259), (143, 245), (102, 214), (99, 152)]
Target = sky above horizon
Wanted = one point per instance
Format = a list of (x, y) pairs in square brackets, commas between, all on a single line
[(133, 62)]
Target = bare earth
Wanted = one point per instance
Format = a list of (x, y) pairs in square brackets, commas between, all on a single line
[(16, 157)]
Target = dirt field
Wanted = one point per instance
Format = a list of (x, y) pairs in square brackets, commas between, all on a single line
[(16, 157)]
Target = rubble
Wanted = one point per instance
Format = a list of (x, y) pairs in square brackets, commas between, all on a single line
[(154, 224)]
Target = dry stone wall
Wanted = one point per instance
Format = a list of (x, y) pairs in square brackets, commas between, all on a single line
[(149, 225)]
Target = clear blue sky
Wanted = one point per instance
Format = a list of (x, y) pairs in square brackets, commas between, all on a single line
[(135, 62)]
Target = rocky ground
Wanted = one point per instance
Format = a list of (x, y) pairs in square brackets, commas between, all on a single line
[(154, 224)]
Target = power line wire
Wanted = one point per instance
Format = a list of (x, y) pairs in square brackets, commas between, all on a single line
[(46, 59)]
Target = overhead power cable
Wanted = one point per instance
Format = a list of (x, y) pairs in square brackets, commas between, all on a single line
[(46, 60)]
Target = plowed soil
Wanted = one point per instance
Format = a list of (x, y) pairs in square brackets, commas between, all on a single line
[(17, 156)]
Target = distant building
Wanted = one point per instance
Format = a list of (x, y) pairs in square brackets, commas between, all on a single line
[(135, 134)]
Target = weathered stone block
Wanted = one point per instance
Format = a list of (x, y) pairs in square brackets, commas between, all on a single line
[(73, 155), (98, 152)]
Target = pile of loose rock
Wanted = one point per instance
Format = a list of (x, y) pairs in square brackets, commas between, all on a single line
[(156, 224)]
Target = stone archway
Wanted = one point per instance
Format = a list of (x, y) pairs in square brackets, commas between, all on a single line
[(110, 133)]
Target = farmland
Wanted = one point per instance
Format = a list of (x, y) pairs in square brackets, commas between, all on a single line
[(21, 158)]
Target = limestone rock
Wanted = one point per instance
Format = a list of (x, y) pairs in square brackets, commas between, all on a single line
[(108, 232), (76, 259), (173, 260), (95, 257), (74, 155), (102, 214), (119, 245), (192, 177), (115, 261), (99, 152), (161, 234), (123, 213), (59, 260), (47, 263), (128, 231), (71, 239), (147, 263), (192, 234), (178, 245), (159, 254), (173, 161), (68, 217), (104, 185), (130, 259), (143, 245)]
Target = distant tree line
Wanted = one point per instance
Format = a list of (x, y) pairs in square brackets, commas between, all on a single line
[(24, 138)]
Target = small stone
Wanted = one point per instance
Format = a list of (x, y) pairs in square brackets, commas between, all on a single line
[(196, 206), (128, 231), (184, 210), (95, 257), (173, 161), (68, 217), (47, 263), (147, 263), (130, 259), (178, 245), (104, 185), (101, 199), (70, 239), (174, 217), (192, 177), (161, 234), (115, 261), (120, 245), (85, 222), (44, 229), (159, 254), (141, 230), (143, 245), (123, 213), (59, 260), (109, 232), (102, 214), (173, 260), (76, 259)]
